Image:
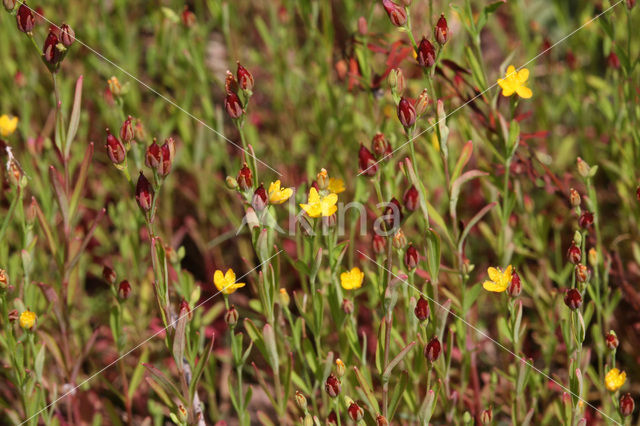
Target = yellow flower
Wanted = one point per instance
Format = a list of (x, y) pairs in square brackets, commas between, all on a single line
[(320, 206), (8, 125), (352, 279), (499, 280), (514, 82), (226, 283), (278, 194), (336, 185), (28, 319), (615, 379)]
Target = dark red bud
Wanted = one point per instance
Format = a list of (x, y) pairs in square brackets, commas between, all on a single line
[(245, 79), (379, 244), (613, 61), (515, 288), (397, 14), (230, 83), (67, 35), (432, 350), (630, 4), (126, 131), (381, 420), (332, 418), (381, 146), (367, 161), (611, 340), (356, 413), (411, 257), (166, 151), (260, 199), (188, 17), (406, 113), (627, 405), (144, 193), (115, 149), (233, 105), (24, 19), (573, 299), (50, 50), (426, 53), (585, 220), (332, 386), (244, 178), (124, 290), (441, 31), (184, 310), (393, 214), (411, 198), (574, 254), (422, 309), (153, 156), (109, 275)]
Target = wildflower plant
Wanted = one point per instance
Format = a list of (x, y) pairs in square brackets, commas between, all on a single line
[(389, 212)]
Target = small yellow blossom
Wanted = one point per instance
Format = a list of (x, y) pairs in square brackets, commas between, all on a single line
[(226, 283), (278, 194), (514, 82), (352, 279), (320, 206), (340, 367), (336, 185), (284, 297), (499, 280), (114, 86), (615, 379), (8, 125), (28, 319)]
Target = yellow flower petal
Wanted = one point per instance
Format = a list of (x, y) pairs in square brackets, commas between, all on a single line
[(218, 280), (523, 75), (230, 276), (511, 71), (313, 196), (493, 287), (336, 185), (494, 274), (524, 92)]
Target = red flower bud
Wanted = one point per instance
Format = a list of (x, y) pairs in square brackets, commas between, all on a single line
[(356, 413), (406, 113), (167, 151), (585, 220), (50, 51), (24, 18), (411, 258), (367, 161), (613, 61), (574, 254), (67, 35), (184, 310), (144, 193), (630, 4), (124, 290), (426, 53), (393, 214), (9, 5), (153, 156), (611, 340), (574, 198), (486, 416), (515, 288), (109, 275), (381, 146), (233, 105), (422, 309), (244, 178), (379, 244), (411, 198), (397, 14), (260, 199), (126, 131), (115, 149), (245, 79), (432, 350), (332, 386), (332, 418), (188, 17), (627, 405), (441, 31), (573, 299), (231, 317)]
